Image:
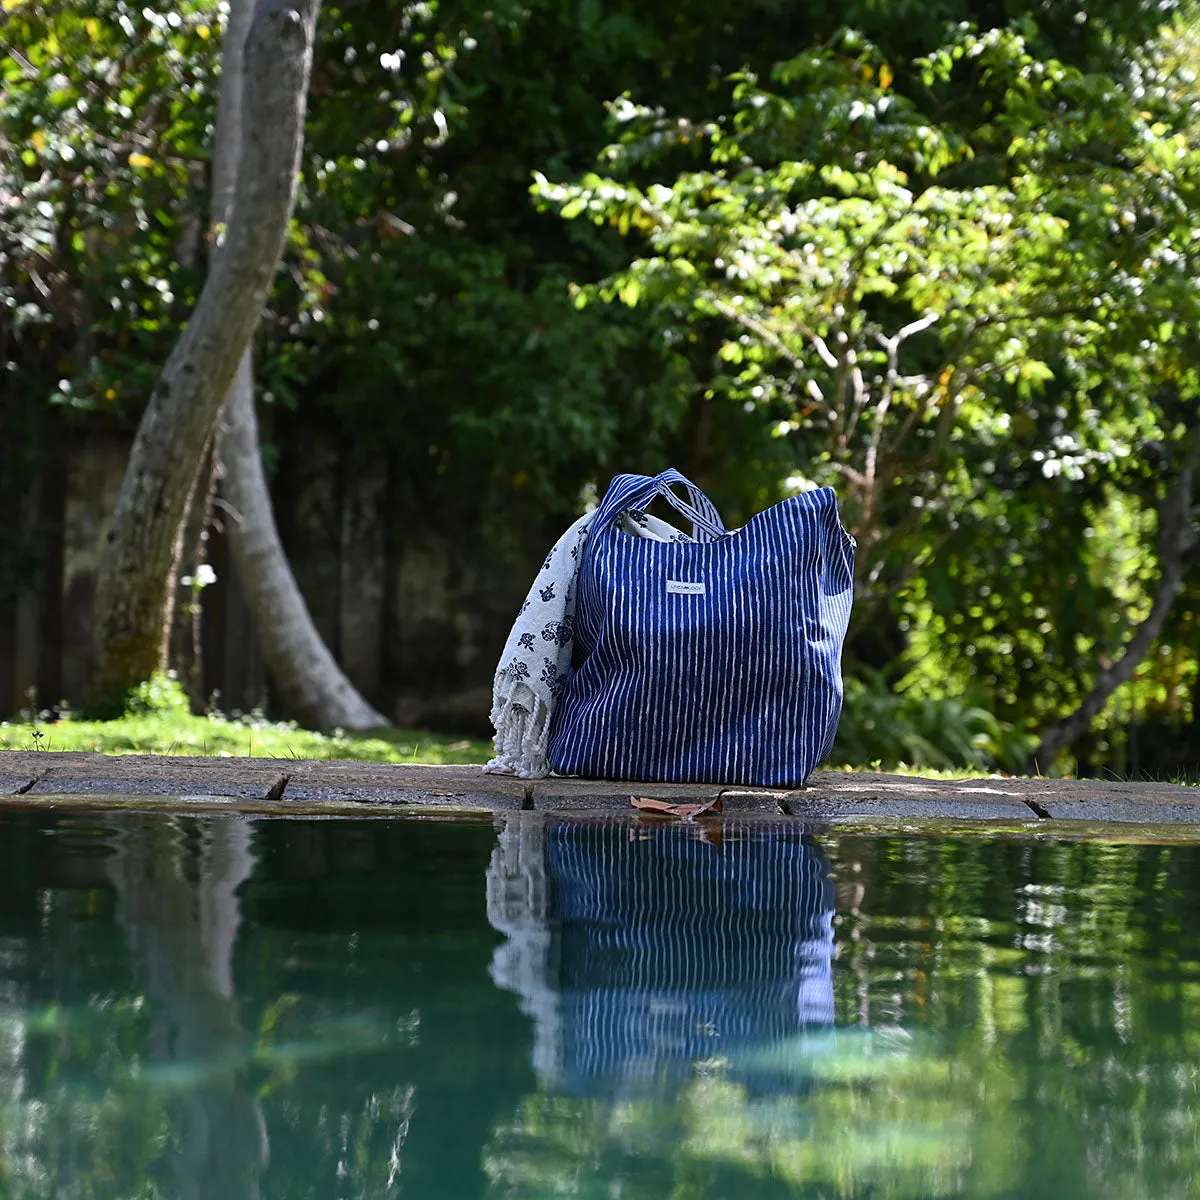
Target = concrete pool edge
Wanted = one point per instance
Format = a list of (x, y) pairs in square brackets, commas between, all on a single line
[(343, 787)]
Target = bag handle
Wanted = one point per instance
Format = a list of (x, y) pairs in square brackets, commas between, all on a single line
[(637, 492)]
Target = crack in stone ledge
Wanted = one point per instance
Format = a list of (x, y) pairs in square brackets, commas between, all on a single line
[(276, 790), (29, 785)]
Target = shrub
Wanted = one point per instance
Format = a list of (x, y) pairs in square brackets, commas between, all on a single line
[(886, 727)]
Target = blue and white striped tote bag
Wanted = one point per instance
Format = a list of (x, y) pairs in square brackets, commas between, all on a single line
[(716, 660)]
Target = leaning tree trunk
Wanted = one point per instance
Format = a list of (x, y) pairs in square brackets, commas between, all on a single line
[(134, 591), (311, 685), (1177, 540)]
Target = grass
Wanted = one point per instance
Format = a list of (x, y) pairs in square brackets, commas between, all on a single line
[(915, 770), (159, 721), (178, 732), (182, 733)]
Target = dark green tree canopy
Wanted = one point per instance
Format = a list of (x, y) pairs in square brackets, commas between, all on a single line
[(938, 254)]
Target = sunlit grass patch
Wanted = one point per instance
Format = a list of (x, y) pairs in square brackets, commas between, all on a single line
[(184, 733)]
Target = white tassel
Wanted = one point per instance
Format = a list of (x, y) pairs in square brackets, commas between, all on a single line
[(522, 722)]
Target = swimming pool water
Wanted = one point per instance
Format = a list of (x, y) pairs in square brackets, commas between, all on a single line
[(219, 1008)]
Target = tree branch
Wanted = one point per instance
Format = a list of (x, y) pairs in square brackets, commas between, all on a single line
[(1177, 541), (891, 346), (774, 340)]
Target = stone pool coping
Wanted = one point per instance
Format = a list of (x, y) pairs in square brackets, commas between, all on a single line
[(342, 787)]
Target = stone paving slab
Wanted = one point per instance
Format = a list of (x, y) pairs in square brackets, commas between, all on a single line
[(236, 806), (165, 788), (751, 800), (313, 787), (1129, 812), (67, 773), (567, 790), (581, 795), (850, 808), (321, 781)]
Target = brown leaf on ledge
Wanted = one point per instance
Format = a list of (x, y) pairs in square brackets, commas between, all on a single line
[(688, 812)]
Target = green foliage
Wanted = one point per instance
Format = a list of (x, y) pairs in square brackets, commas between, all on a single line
[(161, 693), (431, 312), (962, 291), (104, 109), (820, 240), (880, 726), (948, 268), (103, 123)]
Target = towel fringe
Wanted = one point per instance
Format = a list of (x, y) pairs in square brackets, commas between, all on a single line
[(522, 723), (523, 698)]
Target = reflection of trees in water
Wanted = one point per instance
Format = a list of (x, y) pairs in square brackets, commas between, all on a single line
[(142, 1060), (153, 1077), (176, 884), (1063, 980), (365, 1028), (366, 947), (1030, 979), (1044, 1000)]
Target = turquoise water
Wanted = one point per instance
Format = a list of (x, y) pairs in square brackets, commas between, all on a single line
[(218, 1009)]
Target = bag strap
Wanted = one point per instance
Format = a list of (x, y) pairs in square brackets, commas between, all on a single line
[(638, 491)]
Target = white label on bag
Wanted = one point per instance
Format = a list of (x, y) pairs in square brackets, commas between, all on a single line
[(680, 588)]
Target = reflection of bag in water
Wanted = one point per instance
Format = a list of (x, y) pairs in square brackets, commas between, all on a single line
[(639, 954)]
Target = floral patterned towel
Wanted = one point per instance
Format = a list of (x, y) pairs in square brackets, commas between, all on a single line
[(537, 656)]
